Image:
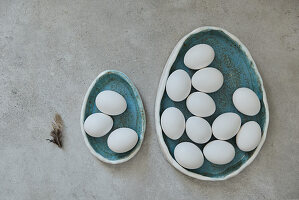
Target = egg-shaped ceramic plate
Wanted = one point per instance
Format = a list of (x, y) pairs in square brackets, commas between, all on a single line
[(233, 59), (133, 117)]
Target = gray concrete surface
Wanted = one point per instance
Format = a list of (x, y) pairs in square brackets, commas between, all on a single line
[(50, 51)]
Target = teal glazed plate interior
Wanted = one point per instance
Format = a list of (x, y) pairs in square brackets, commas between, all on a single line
[(239, 70), (133, 117)]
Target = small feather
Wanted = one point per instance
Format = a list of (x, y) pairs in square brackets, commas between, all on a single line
[(56, 132)]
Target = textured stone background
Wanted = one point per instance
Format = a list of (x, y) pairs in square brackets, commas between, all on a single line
[(50, 51)]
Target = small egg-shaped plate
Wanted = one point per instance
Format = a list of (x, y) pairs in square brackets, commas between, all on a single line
[(133, 117), (233, 59)]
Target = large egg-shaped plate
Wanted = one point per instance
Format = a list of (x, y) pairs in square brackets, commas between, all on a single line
[(233, 59)]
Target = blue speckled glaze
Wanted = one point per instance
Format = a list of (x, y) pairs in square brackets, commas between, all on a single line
[(238, 72), (133, 117)]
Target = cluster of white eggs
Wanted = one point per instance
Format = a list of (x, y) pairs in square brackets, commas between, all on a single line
[(110, 103), (200, 104)]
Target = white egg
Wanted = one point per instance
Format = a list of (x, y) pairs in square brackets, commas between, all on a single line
[(199, 56), (178, 85), (173, 123), (122, 140), (219, 152), (249, 136), (198, 130), (207, 80), (188, 155), (226, 126), (200, 104), (111, 103), (98, 124), (246, 101)]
